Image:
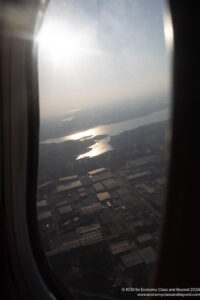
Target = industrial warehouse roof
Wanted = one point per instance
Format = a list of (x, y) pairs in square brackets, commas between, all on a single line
[(91, 238), (148, 255), (138, 175), (91, 208), (161, 180), (68, 178), (97, 171), (103, 196), (89, 228), (101, 177), (147, 188), (42, 203), (62, 203), (144, 238), (45, 184), (120, 247), (87, 239), (142, 161), (122, 191), (131, 260), (110, 183), (65, 209), (98, 186), (44, 215), (69, 186)]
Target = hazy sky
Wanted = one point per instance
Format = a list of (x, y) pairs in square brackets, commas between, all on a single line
[(93, 51)]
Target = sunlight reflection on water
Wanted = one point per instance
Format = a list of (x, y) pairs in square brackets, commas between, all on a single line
[(98, 148), (102, 145)]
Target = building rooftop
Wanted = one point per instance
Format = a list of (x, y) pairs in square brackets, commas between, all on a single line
[(110, 183), (122, 191), (97, 171), (65, 247), (107, 216), (103, 196), (68, 178), (121, 229), (161, 180), (98, 187), (148, 255), (85, 180), (69, 186), (138, 223), (91, 238), (101, 177), (45, 184), (142, 161), (45, 215), (65, 209), (91, 208), (138, 175), (144, 238), (120, 247), (147, 188), (131, 260), (42, 203), (87, 239), (89, 228), (62, 203)]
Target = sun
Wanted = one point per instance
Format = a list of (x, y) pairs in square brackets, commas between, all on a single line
[(61, 43)]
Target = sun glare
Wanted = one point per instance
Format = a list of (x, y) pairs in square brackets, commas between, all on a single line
[(62, 43), (168, 30)]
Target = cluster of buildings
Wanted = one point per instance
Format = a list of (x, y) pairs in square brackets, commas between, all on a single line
[(103, 222)]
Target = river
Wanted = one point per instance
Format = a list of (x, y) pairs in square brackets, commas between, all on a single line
[(101, 146)]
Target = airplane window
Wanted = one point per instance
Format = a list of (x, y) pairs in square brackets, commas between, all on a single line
[(104, 83)]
